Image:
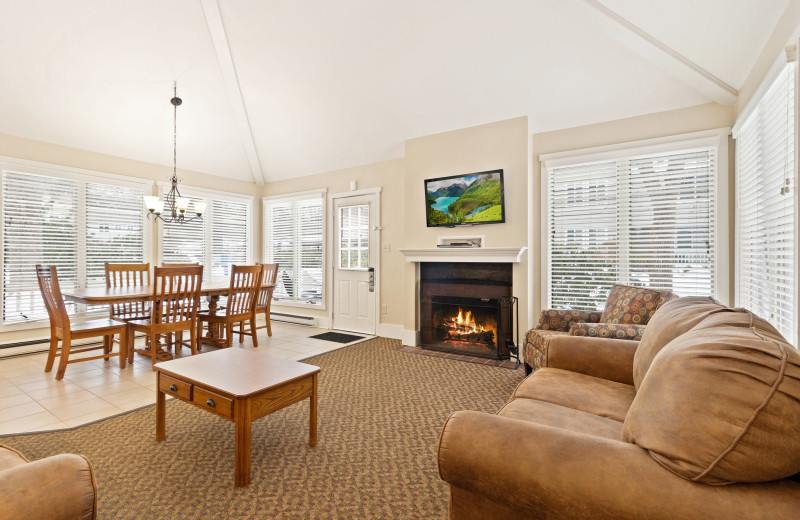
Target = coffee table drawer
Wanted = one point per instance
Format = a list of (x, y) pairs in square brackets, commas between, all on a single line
[(176, 387), (213, 402)]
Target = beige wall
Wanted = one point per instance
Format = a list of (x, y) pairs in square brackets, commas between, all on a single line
[(388, 176), (503, 144), (673, 122)]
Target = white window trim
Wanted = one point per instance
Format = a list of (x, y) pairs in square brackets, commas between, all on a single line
[(301, 195), (716, 137), (80, 175), (163, 187)]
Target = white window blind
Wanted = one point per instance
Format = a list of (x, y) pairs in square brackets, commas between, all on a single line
[(74, 225), (765, 206), (217, 242), (293, 238), (645, 219)]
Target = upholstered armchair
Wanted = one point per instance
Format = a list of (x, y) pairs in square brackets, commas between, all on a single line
[(626, 312), (61, 487)]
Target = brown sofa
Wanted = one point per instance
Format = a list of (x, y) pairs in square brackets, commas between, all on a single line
[(698, 420), (61, 487)]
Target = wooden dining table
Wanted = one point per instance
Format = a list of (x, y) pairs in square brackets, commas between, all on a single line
[(112, 295)]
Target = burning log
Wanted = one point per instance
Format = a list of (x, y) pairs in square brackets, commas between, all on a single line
[(485, 336)]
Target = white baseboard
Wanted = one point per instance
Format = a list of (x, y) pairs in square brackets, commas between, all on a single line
[(390, 330), (323, 322), (410, 337)]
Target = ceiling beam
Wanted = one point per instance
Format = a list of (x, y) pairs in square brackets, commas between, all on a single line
[(654, 50), (216, 30)]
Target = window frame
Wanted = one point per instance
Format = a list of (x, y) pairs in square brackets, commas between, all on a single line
[(296, 196), (208, 195), (80, 175), (716, 137)]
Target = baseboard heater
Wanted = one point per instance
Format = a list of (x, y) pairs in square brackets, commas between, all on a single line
[(299, 319)]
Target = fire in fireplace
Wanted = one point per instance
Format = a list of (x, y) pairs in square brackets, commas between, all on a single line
[(465, 327)]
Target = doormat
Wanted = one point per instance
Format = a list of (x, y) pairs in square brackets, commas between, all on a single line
[(337, 337)]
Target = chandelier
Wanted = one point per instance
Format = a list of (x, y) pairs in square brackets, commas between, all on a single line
[(176, 205)]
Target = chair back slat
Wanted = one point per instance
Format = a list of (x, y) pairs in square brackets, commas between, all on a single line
[(269, 274), (128, 275), (245, 284), (176, 294), (51, 294)]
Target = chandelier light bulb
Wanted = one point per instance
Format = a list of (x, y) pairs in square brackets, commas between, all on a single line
[(199, 207), (182, 203), (150, 202)]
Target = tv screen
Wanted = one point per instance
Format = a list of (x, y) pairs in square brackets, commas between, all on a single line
[(474, 198)]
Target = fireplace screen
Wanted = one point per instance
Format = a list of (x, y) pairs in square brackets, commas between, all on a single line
[(474, 326)]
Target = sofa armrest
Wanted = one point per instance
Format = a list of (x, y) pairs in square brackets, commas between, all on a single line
[(561, 319), (610, 359), (56, 488), (557, 474)]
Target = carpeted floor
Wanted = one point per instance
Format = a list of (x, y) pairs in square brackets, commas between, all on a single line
[(380, 414)]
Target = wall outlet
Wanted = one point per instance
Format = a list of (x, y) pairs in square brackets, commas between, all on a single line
[(384, 309), (387, 247)]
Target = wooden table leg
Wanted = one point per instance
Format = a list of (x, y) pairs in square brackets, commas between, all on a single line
[(160, 411), (123, 347), (213, 334), (312, 420), (242, 421)]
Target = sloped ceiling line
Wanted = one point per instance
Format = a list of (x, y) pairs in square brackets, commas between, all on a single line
[(216, 30), (659, 53)]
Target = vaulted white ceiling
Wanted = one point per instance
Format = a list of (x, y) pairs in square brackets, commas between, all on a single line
[(283, 88)]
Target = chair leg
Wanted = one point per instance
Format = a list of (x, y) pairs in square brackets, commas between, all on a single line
[(153, 347), (51, 355), (253, 331), (193, 340), (108, 342), (178, 341), (62, 363), (123, 347), (199, 335), (241, 332), (229, 334), (269, 324), (129, 340)]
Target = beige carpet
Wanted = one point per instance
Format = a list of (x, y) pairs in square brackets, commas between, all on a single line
[(380, 414)]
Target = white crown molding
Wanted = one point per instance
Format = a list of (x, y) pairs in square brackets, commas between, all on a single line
[(466, 254)]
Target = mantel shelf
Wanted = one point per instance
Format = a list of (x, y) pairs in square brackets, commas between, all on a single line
[(465, 254)]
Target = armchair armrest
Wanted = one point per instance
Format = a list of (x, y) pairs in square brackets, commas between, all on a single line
[(553, 473), (610, 359), (561, 319), (61, 487)]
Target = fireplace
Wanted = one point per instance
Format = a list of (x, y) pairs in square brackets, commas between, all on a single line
[(467, 308)]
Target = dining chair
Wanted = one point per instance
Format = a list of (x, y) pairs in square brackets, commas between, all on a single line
[(241, 307), (173, 308), (61, 328), (177, 340), (269, 273), (128, 275)]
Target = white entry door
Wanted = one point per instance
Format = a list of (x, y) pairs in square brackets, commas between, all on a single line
[(354, 259)]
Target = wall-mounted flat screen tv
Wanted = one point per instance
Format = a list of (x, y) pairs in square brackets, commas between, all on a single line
[(473, 198)]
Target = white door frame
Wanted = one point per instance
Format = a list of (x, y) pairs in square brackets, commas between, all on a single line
[(331, 254)]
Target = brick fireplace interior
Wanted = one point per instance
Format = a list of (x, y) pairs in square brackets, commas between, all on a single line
[(466, 308)]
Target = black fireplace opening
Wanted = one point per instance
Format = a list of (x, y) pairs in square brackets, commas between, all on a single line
[(467, 309)]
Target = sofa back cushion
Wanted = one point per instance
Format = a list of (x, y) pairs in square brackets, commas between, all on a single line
[(674, 318), (632, 305), (721, 403)]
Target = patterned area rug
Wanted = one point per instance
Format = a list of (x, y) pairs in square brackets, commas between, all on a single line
[(380, 414)]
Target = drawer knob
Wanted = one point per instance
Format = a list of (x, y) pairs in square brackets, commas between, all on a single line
[(173, 388), (211, 403)]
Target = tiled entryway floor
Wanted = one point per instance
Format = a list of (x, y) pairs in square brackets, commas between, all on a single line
[(32, 400)]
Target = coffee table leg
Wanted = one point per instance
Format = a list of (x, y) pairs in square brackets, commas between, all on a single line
[(242, 421), (160, 411), (312, 420)]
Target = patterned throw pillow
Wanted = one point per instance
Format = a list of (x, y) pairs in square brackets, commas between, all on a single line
[(607, 330), (631, 305)]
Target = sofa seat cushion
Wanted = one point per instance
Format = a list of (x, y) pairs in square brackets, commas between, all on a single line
[(721, 403), (10, 458), (579, 392), (549, 414)]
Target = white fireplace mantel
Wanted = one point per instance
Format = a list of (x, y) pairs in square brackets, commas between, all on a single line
[(465, 254)]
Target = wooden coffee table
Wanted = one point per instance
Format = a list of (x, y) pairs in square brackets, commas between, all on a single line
[(241, 386)]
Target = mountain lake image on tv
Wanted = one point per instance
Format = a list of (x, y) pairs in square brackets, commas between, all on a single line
[(474, 198)]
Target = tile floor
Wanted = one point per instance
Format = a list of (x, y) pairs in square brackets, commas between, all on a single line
[(32, 400)]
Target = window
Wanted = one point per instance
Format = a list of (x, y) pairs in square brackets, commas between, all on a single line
[(218, 241), (74, 222), (354, 237), (294, 239), (765, 204), (642, 216)]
